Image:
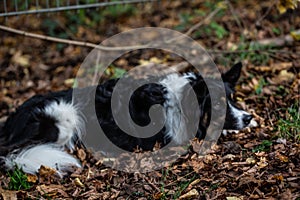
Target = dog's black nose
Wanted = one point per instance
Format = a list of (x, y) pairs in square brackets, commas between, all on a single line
[(247, 119)]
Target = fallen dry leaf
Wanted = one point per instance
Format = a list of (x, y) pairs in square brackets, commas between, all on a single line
[(81, 154), (46, 171), (251, 160), (78, 182), (20, 59), (262, 163), (196, 181), (283, 158), (8, 194), (69, 82), (31, 178), (157, 195), (284, 5), (295, 35), (278, 177), (284, 76), (191, 194), (52, 190), (233, 198)]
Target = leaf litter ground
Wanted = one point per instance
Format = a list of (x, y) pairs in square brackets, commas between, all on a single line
[(257, 163)]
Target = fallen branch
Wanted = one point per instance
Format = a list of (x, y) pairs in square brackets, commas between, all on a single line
[(212, 51), (278, 41), (69, 42)]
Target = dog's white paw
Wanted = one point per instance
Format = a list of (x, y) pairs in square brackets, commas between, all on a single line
[(226, 132)]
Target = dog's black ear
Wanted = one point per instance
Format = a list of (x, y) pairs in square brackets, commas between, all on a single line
[(233, 75)]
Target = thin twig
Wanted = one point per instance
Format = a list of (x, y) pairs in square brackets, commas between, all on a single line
[(269, 117), (70, 42), (235, 15), (213, 51), (266, 13), (178, 179), (198, 25), (151, 184), (205, 21)]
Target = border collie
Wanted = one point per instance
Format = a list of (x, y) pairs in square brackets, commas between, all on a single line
[(46, 127)]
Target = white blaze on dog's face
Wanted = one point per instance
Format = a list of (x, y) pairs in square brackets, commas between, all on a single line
[(240, 117), (236, 118)]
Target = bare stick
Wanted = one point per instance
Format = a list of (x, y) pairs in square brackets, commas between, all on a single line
[(70, 42), (198, 25)]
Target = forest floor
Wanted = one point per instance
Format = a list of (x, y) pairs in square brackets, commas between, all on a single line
[(262, 162)]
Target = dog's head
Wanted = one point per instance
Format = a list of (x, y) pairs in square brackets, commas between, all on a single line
[(236, 118)]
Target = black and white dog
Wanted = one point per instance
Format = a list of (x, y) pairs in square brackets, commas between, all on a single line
[(45, 126)]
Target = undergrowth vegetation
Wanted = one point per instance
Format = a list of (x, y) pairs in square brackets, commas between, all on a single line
[(289, 126), (18, 180)]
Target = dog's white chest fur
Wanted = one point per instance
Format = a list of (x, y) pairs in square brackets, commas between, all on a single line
[(175, 124), (68, 121)]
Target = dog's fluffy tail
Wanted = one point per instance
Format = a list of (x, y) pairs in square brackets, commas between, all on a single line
[(32, 158)]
